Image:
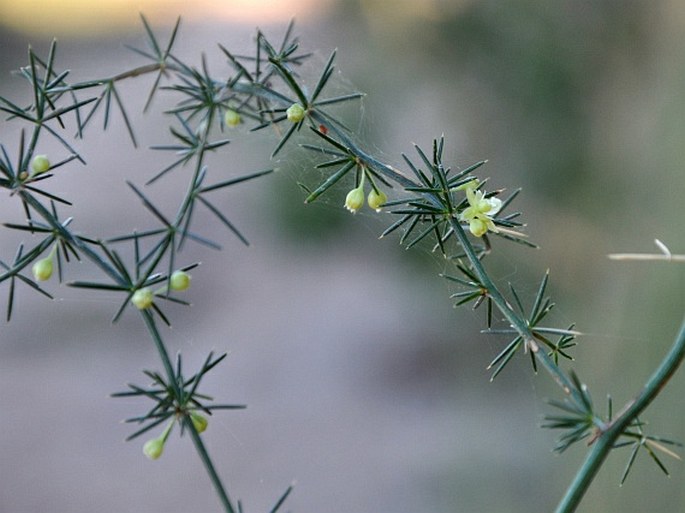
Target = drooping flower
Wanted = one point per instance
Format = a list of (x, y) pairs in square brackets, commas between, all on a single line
[(355, 198), (42, 269), (199, 422), (376, 199), (154, 448), (481, 210)]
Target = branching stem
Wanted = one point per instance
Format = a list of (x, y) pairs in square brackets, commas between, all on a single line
[(604, 443), (197, 441), (606, 433)]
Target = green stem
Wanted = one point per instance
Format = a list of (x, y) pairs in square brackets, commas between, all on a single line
[(517, 322), (161, 349), (386, 170), (610, 433), (197, 442), (209, 466), (62, 232), (606, 440)]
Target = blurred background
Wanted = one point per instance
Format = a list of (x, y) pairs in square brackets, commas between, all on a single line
[(364, 386)]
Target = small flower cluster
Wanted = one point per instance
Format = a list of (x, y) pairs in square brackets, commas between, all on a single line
[(144, 298), (481, 210), (154, 447), (355, 198)]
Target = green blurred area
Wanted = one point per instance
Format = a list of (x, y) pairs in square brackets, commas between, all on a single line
[(581, 103)]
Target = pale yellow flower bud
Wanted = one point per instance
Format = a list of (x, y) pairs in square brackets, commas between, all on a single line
[(154, 448), (180, 280), (142, 298), (232, 118), (40, 164), (478, 227), (42, 269), (295, 113), (355, 199), (199, 421), (376, 199)]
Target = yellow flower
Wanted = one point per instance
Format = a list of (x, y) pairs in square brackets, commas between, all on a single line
[(481, 210)]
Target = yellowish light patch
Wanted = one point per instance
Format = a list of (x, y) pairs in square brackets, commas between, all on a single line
[(103, 17), (394, 15)]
